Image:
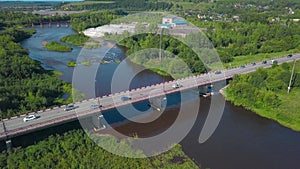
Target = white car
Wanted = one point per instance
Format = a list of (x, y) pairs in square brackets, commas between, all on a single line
[(29, 117), (176, 85)]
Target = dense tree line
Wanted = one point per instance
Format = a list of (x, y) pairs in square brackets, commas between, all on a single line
[(235, 39), (140, 5), (9, 19), (86, 20), (173, 46), (75, 149)]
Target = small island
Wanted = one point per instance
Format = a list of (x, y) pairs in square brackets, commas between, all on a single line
[(75, 39), (56, 46), (71, 63)]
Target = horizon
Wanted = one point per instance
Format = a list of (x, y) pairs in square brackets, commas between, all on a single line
[(40, 0)]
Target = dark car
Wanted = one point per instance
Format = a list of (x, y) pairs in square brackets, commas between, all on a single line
[(218, 72), (290, 55), (69, 107), (243, 66), (125, 98), (264, 62), (95, 106), (253, 64)]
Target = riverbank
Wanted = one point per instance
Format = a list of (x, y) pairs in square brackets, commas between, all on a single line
[(274, 114), (268, 99)]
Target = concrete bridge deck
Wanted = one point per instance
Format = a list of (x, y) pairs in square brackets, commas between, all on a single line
[(50, 117)]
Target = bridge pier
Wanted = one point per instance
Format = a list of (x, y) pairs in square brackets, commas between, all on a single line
[(98, 122), (8, 144), (159, 103)]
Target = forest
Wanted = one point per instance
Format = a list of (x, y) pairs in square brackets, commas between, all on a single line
[(235, 39), (24, 85), (90, 19), (265, 92), (74, 149), (174, 47), (131, 5)]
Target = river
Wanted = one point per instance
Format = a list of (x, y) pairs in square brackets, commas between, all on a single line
[(242, 139)]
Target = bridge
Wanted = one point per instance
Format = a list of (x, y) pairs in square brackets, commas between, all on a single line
[(50, 23), (15, 126)]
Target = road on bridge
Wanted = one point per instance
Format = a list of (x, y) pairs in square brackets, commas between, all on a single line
[(56, 115)]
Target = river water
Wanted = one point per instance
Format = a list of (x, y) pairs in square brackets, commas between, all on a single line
[(243, 140)]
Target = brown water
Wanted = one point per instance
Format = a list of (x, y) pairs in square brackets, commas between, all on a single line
[(243, 140)]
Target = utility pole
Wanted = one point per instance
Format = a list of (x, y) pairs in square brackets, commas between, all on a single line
[(289, 88), (160, 51)]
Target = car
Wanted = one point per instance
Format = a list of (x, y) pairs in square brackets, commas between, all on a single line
[(253, 64), (218, 72), (95, 106), (176, 85), (243, 66), (289, 55), (125, 98), (29, 117), (264, 62), (274, 62), (69, 107)]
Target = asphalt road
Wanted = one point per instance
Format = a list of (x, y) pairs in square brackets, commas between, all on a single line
[(57, 113)]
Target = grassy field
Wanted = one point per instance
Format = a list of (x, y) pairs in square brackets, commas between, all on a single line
[(247, 59), (287, 114)]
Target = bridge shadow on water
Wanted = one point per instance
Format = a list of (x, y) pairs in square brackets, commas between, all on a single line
[(112, 117)]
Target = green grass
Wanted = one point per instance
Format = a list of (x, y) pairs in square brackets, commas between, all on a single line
[(240, 60), (57, 73), (71, 63), (160, 72), (287, 113), (75, 39), (56, 46), (247, 59)]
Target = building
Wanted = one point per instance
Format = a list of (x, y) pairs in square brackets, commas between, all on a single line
[(172, 21)]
